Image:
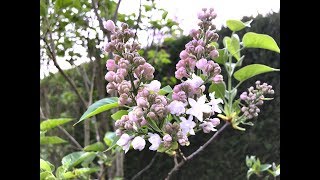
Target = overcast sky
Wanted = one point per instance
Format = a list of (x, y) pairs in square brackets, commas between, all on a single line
[(185, 11)]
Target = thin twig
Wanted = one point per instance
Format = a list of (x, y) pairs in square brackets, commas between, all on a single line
[(42, 114), (138, 21), (145, 168), (73, 86), (95, 10), (52, 52), (70, 137), (115, 15), (182, 155), (175, 160), (181, 163)]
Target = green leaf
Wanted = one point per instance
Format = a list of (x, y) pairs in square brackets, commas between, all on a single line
[(78, 172), (233, 45), (248, 123), (162, 149), (82, 171), (51, 140), (47, 176), (60, 4), (153, 124), (100, 106), (59, 172), (109, 138), (164, 14), (249, 173), (219, 89), (75, 158), (43, 8), (147, 7), (252, 70), (267, 99), (255, 40), (236, 25), (165, 90), (236, 107), (265, 167), (119, 114), (174, 145), (68, 175), (222, 59), (46, 165), (215, 44), (51, 123), (77, 4), (98, 146)]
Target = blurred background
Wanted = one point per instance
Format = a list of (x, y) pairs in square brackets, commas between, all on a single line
[(72, 69)]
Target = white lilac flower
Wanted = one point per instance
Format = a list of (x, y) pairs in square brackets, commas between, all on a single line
[(187, 125), (176, 107), (198, 107), (214, 103), (153, 86), (138, 143), (155, 141), (195, 82), (124, 141)]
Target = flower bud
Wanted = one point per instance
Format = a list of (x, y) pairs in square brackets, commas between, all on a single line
[(215, 121), (214, 54), (184, 54), (138, 143), (109, 25)]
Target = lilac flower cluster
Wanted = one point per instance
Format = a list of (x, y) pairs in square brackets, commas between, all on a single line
[(128, 69), (254, 98), (131, 77), (199, 49)]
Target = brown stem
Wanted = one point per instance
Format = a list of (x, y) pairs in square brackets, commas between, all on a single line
[(95, 10), (181, 163), (145, 168), (182, 155), (115, 15)]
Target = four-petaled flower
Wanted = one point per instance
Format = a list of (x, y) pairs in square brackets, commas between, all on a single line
[(214, 103), (187, 125), (198, 107)]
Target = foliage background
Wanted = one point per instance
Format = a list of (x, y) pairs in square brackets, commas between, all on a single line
[(223, 159)]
